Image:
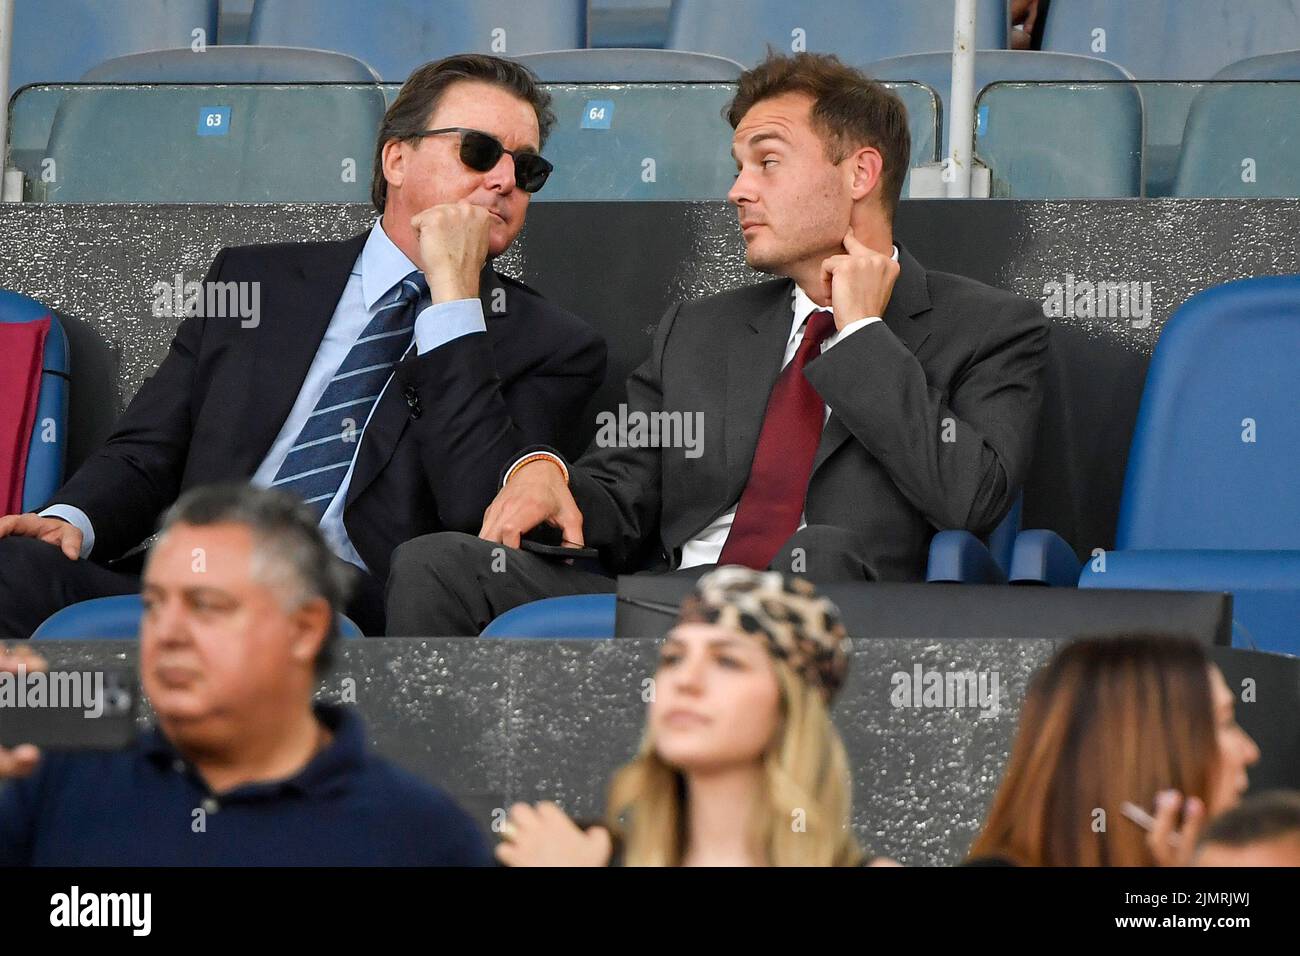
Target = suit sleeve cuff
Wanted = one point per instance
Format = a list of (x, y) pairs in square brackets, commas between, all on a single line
[(77, 518), (441, 323), (534, 456), (855, 326)]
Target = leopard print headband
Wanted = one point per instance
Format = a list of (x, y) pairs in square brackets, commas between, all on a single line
[(798, 626)]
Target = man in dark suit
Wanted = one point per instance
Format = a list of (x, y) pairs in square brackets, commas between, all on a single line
[(848, 409), (386, 380)]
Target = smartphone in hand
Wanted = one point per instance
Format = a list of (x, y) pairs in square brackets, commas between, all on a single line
[(69, 710)]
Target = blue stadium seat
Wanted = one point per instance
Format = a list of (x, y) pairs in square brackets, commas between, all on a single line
[(49, 445), (1040, 142), (1210, 500), (233, 64), (189, 142), (1265, 587), (1172, 39), (117, 618), (55, 41), (1242, 134), (858, 31), (638, 141), (630, 66), (396, 36), (995, 66), (627, 23), (924, 119), (1269, 66), (576, 616), (959, 557)]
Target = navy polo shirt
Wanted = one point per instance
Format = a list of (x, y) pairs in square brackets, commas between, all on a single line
[(146, 806)]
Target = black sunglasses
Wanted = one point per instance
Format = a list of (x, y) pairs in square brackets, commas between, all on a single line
[(481, 151)]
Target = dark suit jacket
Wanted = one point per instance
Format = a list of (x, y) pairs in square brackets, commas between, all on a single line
[(431, 453), (933, 417)]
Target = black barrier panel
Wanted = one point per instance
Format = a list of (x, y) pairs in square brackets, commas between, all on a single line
[(500, 721), (107, 269), (647, 606)]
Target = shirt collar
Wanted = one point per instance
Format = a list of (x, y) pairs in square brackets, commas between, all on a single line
[(804, 306), (324, 773), (382, 265)]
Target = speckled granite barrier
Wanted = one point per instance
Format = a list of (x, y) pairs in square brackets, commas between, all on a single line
[(499, 721)]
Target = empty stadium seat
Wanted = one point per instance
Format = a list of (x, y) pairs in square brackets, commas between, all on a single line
[(617, 108), (639, 141), (575, 616), (396, 36), (924, 121), (55, 41), (47, 451), (117, 618), (959, 557), (1270, 66), (858, 31), (627, 23), (1265, 587), (934, 69), (1210, 498), (630, 66), (233, 64), (1075, 140), (648, 124), (220, 143), (1172, 39), (1241, 138)]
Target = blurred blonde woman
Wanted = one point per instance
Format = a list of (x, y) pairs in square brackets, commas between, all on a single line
[(740, 764)]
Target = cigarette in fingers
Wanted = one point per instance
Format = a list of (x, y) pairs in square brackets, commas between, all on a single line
[(1145, 820)]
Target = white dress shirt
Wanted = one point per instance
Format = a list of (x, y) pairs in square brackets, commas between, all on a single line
[(379, 268)]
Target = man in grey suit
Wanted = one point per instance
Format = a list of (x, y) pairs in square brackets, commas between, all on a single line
[(849, 408)]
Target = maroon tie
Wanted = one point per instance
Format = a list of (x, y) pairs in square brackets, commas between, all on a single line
[(773, 498)]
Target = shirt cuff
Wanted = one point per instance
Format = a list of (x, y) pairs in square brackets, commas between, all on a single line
[(535, 455), (854, 326), (77, 518), (440, 323)]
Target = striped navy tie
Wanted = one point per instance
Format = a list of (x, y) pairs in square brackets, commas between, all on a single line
[(323, 450)]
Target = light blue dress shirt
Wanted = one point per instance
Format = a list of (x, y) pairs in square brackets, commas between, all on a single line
[(377, 270)]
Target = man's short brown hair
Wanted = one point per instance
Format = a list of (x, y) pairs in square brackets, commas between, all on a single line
[(423, 89), (850, 110)]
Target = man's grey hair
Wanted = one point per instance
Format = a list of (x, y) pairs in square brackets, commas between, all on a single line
[(289, 552)]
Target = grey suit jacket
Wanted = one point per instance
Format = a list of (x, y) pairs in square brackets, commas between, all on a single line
[(933, 417)]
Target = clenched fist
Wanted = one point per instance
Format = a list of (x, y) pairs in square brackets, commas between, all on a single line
[(53, 531), (860, 282), (453, 247)]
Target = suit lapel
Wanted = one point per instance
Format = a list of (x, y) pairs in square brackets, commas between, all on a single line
[(754, 354), (287, 341), (392, 414), (910, 298)]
